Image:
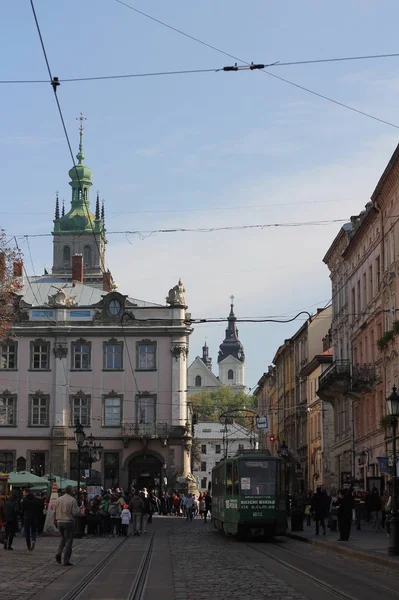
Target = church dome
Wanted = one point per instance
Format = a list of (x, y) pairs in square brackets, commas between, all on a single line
[(80, 173), (77, 219)]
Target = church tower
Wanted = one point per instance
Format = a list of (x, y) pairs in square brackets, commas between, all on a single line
[(231, 358), (79, 232)]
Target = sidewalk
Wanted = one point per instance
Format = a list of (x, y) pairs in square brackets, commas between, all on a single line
[(365, 544)]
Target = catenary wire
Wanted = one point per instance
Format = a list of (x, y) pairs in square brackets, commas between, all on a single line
[(305, 89)]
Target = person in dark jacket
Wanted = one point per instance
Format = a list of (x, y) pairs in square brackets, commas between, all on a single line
[(320, 505), (10, 515), (208, 505), (345, 507), (31, 508)]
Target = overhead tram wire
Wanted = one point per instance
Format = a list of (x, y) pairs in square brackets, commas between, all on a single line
[(301, 87), (55, 83)]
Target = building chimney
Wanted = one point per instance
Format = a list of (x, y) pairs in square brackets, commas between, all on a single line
[(77, 268), (18, 269)]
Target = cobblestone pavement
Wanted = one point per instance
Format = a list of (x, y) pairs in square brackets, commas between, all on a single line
[(24, 573), (205, 565)]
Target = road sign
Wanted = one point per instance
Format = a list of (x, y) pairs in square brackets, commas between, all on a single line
[(261, 422)]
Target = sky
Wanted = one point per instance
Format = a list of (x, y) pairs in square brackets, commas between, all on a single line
[(202, 150)]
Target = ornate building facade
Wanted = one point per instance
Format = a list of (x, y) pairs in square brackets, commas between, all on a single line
[(82, 351)]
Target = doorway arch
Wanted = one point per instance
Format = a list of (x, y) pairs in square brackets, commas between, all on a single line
[(146, 469)]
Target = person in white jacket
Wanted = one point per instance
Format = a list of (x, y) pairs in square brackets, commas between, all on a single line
[(126, 517)]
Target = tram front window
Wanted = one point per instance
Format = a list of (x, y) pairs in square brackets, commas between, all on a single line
[(257, 478)]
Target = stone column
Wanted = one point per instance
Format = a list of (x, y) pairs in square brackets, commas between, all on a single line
[(179, 381), (59, 441)]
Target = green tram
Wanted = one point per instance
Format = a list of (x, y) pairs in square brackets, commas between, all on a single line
[(249, 495)]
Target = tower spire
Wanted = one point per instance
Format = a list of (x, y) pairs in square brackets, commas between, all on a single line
[(231, 345), (57, 207), (80, 156), (103, 210), (63, 208), (98, 206)]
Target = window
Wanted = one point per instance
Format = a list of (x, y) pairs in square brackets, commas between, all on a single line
[(364, 290), (203, 448), (229, 478), (203, 466), (230, 374), (80, 410), (217, 449), (81, 356), (38, 463), (113, 352), (112, 412), (8, 410), (39, 411), (236, 483), (198, 381), (146, 409), (353, 303), (40, 355), (6, 462), (8, 356), (358, 300), (66, 256), (371, 284), (87, 256), (111, 469), (146, 356), (203, 482)]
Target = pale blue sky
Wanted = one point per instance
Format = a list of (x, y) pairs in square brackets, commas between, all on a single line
[(204, 142)]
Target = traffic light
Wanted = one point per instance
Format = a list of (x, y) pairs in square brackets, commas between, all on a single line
[(272, 438)]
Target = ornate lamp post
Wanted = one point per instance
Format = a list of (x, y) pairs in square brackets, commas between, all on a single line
[(94, 451), (393, 411), (79, 439)]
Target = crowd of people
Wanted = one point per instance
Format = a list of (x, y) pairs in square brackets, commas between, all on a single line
[(107, 514), (340, 509)]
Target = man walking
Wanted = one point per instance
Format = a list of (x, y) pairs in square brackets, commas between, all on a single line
[(137, 508), (10, 517), (345, 508), (31, 507), (66, 509)]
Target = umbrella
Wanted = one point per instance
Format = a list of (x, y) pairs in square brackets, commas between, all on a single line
[(63, 483), (25, 479)]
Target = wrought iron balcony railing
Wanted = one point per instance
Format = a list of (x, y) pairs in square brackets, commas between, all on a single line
[(339, 370), (144, 430), (363, 376)]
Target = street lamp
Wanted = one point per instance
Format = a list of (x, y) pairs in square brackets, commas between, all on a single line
[(284, 450), (79, 439), (393, 411), (94, 451)]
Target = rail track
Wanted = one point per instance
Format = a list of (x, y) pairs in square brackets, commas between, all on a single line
[(137, 588)]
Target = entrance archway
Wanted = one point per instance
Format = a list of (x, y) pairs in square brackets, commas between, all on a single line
[(146, 470)]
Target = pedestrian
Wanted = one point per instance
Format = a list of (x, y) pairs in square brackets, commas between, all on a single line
[(136, 508), (375, 507), (115, 511), (10, 518), (189, 507), (319, 505), (202, 506), (208, 505), (345, 507), (126, 517), (66, 509), (333, 519), (31, 508)]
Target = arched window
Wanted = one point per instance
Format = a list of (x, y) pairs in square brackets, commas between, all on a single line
[(66, 256), (198, 381), (230, 374), (87, 256)]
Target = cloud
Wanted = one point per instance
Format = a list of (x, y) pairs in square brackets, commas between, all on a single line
[(270, 271)]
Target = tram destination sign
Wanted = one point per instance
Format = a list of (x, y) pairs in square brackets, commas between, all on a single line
[(256, 502)]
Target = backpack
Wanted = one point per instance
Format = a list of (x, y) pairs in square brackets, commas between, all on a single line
[(114, 510)]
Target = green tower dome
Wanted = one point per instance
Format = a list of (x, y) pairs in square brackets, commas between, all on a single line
[(79, 218)]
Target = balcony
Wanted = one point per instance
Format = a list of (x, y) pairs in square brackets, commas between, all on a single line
[(363, 377), (336, 378), (144, 430)]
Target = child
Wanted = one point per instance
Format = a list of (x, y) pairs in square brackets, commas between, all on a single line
[(125, 519)]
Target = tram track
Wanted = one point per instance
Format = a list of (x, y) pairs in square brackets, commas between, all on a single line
[(137, 588), (316, 581)]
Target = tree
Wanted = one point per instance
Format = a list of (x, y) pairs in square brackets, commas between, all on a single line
[(10, 284), (209, 406)]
